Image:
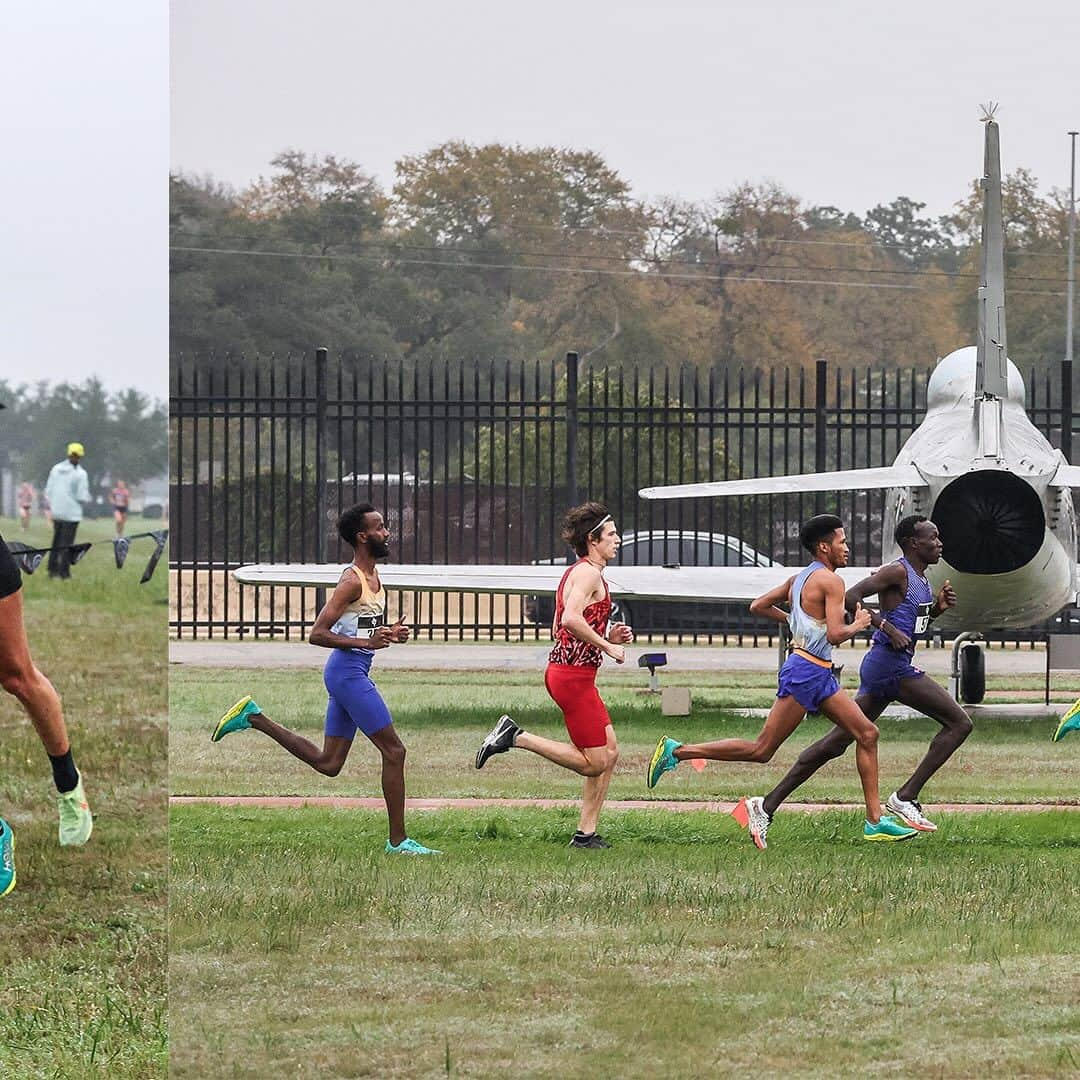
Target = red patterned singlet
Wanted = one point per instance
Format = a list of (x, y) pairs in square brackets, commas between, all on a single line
[(570, 650)]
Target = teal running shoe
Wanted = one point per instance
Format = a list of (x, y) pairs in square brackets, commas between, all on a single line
[(663, 760), (1069, 722), (236, 719), (409, 847), (76, 821), (888, 828), (7, 858)]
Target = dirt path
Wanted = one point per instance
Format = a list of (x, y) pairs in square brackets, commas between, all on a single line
[(342, 803)]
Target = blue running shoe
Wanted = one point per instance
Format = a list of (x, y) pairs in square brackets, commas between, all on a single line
[(7, 858), (236, 719), (889, 829), (1069, 722), (409, 847), (663, 760)]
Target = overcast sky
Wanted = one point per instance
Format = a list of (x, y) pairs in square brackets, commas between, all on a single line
[(844, 103), (83, 193)]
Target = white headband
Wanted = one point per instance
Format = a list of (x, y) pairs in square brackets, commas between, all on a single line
[(602, 521)]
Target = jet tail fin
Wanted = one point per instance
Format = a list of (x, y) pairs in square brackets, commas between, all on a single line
[(991, 368)]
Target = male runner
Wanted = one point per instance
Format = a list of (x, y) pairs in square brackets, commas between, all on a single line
[(351, 626), (582, 638), (907, 604), (20, 678), (807, 683)]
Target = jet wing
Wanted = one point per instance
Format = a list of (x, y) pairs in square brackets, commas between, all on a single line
[(890, 476), (1067, 476), (705, 584)]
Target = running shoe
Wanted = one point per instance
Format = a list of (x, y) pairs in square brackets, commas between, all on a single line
[(236, 719), (1069, 722), (76, 821), (7, 858), (888, 828), (409, 847), (593, 842), (663, 760), (751, 814), (910, 810), (498, 740)]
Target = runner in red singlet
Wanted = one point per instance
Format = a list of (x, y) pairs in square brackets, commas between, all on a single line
[(582, 637)]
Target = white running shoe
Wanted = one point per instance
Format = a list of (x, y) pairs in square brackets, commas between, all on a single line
[(750, 813), (911, 812)]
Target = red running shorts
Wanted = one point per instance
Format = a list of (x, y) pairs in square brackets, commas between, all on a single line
[(573, 689)]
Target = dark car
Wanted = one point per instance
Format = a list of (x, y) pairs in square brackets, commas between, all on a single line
[(669, 547)]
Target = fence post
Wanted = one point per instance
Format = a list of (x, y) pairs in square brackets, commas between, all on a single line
[(320, 466), (820, 384), (571, 435), (1066, 409)]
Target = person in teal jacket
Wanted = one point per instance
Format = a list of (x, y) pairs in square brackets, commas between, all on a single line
[(67, 489)]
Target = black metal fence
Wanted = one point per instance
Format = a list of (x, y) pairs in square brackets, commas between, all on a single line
[(474, 462)]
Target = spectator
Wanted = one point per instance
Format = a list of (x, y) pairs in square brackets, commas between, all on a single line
[(67, 489)]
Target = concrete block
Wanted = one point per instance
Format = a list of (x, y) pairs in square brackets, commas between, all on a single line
[(675, 701)]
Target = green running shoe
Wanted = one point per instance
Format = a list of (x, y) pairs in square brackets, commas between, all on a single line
[(1069, 722), (76, 821), (236, 719), (409, 847), (7, 858), (888, 828), (663, 760)]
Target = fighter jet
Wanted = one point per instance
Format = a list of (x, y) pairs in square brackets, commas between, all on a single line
[(995, 487)]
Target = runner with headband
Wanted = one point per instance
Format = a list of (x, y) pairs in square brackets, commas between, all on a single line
[(582, 639)]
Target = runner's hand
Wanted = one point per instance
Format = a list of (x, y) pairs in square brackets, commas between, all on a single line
[(897, 638), (381, 638), (620, 634), (616, 652), (400, 632), (946, 598), (862, 618)]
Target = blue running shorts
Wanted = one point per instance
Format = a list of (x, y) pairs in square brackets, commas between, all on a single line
[(806, 682), (355, 703), (881, 672)]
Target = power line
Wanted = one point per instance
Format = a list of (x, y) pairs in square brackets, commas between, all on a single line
[(666, 275)]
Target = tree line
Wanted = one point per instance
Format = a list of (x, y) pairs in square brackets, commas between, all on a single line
[(508, 251)]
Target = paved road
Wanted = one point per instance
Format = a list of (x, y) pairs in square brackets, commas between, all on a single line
[(457, 656)]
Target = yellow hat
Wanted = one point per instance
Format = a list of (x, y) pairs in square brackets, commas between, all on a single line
[(76, 448)]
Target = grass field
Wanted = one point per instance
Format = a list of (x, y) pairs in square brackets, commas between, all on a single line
[(83, 948), (298, 949), (442, 718), (681, 952)]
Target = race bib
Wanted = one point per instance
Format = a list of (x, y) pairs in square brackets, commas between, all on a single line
[(922, 620)]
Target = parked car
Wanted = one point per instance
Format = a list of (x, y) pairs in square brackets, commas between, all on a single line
[(669, 547)]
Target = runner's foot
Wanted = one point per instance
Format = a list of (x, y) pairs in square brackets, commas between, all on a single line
[(593, 841), (7, 858), (498, 740), (1069, 722), (888, 828), (409, 847), (751, 814), (911, 811), (76, 821), (236, 719), (663, 760)]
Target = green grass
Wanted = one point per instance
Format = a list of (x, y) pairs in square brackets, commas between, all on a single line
[(83, 948), (299, 949), (442, 717)]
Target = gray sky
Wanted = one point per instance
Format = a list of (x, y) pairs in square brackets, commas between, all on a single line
[(84, 121), (841, 104)]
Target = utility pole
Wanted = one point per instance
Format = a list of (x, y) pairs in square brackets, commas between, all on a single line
[(1072, 253)]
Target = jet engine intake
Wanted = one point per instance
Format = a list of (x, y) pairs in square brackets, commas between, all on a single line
[(991, 522)]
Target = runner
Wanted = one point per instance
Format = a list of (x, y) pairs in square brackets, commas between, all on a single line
[(907, 604), (36, 694), (807, 683), (25, 499), (120, 498), (351, 625), (582, 608)]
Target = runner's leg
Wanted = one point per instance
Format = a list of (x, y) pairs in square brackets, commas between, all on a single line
[(931, 699), (328, 760), (591, 761), (595, 789), (393, 779), (784, 717), (842, 711)]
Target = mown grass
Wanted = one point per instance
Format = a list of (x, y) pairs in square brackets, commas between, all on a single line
[(442, 717), (299, 949), (83, 948)]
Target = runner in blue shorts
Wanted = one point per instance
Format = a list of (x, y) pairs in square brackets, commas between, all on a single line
[(887, 674), (351, 625), (807, 684)]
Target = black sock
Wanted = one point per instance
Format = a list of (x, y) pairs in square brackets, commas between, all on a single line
[(583, 835), (65, 775)]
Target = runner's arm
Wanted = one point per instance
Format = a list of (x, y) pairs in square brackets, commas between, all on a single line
[(579, 587), (890, 576), (766, 605), (837, 629), (348, 590)]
